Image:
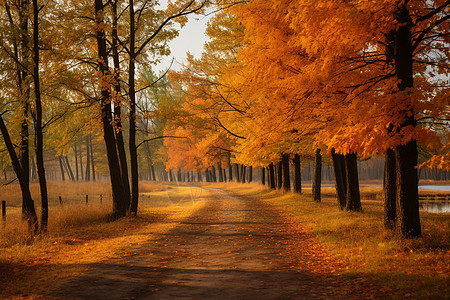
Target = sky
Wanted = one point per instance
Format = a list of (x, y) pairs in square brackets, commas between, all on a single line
[(191, 39)]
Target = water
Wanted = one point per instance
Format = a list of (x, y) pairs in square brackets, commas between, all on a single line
[(435, 207), (435, 187)]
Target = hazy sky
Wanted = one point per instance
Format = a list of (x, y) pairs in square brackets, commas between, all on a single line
[(191, 39)]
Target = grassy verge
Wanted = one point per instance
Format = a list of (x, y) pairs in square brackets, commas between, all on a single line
[(418, 268), (80, 235)]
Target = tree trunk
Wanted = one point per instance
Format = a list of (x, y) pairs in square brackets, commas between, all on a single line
[(389, 186), (69, 169), (119, 206), (353, 196), (149, 163), (317, 180), (33, 169), (22, 54), (297, 175), (286, 173), (132, 113), (250, 174), (81, 163), (87, 177), (279, 175), (407, 205), (340, 178), (219, 170), (408, 219), (263, 176), (230, 168), (61, 166), (75, 147), (38, 122), (117, 111), (207, 175), (272, 176), (244, 168), (238, 174), (213, 174), (29, 212), (92, 158)]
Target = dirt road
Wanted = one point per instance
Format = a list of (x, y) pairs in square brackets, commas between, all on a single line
[(234, 247)]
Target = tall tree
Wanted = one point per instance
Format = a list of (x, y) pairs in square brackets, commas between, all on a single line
[(38, 121), (120, 207)]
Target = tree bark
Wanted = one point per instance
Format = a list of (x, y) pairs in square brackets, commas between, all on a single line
[(219, 170), (92, 158), (213, 174), (263, 176), (244, 168), (87, 177), (75, 147), (81, 163), (38, 122), (317, 180), (61, 166), (250, 174), (119, 206), (230, 168), (286, 173), (408, 219), (272, 176), (279, 175), (238, 174), (132, 113), (22, 53), (117, 110), (353, 195), (389, 186), (340, 178), (297, 175), (207, 176), (29, 212), (69, 169)]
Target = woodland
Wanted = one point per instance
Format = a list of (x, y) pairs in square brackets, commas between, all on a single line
[(280, 85)]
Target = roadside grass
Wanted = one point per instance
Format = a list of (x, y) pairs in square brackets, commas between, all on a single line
[(80, 232), (417, 268)]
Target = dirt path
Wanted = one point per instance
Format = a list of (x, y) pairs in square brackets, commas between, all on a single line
[(232, 248)]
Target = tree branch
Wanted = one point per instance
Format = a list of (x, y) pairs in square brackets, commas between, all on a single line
[(160, 137)]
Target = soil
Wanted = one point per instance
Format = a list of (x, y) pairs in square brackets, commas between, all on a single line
[(233, 247)]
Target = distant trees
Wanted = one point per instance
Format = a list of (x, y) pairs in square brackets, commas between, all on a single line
[(350, 78)]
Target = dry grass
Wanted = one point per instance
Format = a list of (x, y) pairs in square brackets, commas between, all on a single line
[(80, 234), (419, 268), (72, 215)]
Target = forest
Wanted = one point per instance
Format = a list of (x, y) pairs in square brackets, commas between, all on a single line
[(286, 93)]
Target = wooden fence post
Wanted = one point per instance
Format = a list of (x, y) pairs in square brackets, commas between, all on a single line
[(3, 210)]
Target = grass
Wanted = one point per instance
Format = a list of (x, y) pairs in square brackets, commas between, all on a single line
[(75, 222), (79, 234), (418, 268)]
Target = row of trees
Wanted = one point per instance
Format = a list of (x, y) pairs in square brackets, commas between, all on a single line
[(299, 79), (279, 81), (74, 67)]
